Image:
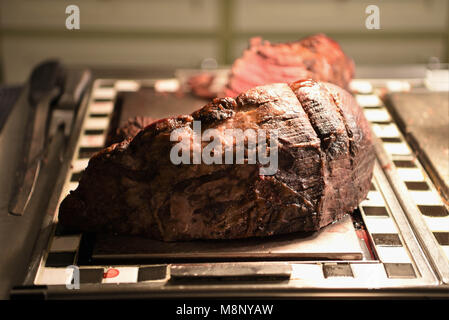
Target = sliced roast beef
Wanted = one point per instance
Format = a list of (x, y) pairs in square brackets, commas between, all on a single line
[(317, 57), (325, 162)]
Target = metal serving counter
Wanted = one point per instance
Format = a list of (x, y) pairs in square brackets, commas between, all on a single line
[(395, 244)]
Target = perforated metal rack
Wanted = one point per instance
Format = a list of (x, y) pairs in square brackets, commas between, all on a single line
[(420, 200)]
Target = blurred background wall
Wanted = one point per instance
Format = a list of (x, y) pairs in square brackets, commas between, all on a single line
[(180, 33)]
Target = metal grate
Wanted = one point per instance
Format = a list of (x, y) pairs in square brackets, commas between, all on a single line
[(409, 170)]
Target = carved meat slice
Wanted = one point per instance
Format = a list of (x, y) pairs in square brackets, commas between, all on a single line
[(317, 57)]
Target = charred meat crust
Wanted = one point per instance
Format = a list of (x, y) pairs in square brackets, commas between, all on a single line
[(325, 168), (130, 129)]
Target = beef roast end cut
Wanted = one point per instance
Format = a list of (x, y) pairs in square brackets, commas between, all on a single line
[(325, 164)]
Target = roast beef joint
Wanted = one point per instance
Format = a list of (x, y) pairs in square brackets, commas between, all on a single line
[(316, 57), (324, 164)]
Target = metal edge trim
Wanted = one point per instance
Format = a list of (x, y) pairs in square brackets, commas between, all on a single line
[(413, 217), (43, 240)]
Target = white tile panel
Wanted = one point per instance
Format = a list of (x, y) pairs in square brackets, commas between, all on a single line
[(104, 93), (410, 174), (380, 225), (394, 148), (92, 140), (105, 107), (373, 199), (369, 100), (377, 115), (437, 224), (385, 131), (393, 254), (372, 274), (425, 197), (361, 86), (398, 86), (126, 85), (54, 276), (306, 271), (79, 165), (446, 250), (73, 186), (96, 123), (121, 275)]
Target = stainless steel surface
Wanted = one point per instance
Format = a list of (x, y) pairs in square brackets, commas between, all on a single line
[(231, 271), (337, 241), (434, 253), (77, 82), (49, 221), (10, 140), (423, 117), (403, 265), (403, 224)]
